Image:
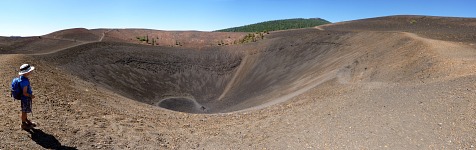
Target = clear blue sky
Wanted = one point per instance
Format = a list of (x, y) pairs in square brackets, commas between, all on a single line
[(39, 17)]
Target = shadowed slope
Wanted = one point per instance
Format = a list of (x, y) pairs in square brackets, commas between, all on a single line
[(151, 74)]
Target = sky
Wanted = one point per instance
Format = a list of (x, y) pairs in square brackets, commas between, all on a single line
[(40, 17)]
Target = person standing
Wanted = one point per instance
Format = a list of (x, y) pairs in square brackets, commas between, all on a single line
[(26, 96)]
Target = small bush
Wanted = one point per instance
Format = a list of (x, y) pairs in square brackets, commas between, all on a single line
[(141, 38)]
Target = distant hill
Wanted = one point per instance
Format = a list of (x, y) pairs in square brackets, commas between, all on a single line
[(278, 25)]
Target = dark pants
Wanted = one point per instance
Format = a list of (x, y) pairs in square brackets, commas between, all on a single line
[(26, 105)]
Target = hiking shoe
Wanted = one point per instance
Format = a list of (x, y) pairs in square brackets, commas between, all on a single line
[(25, 126), (32, 124)]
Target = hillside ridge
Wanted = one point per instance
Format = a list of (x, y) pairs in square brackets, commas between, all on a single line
[(273, 25)]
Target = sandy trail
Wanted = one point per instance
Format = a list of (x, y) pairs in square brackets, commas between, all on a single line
[(234, 78), (103, 35), (72, 46)]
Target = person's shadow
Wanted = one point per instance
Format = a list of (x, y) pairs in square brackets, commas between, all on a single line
[(46, 140)]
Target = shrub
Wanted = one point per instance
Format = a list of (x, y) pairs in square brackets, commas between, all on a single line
[(141, 38)]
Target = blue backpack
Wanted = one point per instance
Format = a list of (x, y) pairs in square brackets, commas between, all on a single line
[(16, 89)]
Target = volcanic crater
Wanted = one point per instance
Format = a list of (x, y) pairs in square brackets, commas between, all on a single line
[(403, 82)]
